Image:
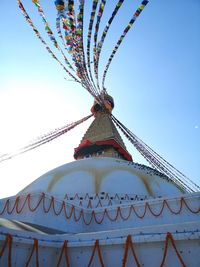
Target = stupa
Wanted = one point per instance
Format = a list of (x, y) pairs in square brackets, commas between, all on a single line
[(101, 210)]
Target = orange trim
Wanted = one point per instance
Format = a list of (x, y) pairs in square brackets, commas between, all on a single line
[(129, 242), (7, 241), (111, 142), (72, 213), (84, 144), (64, 250), (96, 246), (169, 237), (35, 248)]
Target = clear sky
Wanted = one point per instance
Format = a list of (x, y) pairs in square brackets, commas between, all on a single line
[(154, 79)]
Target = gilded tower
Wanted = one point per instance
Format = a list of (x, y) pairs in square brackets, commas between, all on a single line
[(102, 138)]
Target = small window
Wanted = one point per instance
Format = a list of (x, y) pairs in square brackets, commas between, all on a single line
[(87, 156)]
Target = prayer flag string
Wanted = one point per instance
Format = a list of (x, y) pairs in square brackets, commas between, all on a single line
[(99, 15), (133, 19), (103, 36), (156, 161), (43, 139), (29, 21), (89, 34), (70, 27), (49, 31)]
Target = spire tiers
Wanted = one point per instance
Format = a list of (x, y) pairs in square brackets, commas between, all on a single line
[(102, 138)]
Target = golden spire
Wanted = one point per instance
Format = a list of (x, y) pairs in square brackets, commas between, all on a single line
[(102, 138)]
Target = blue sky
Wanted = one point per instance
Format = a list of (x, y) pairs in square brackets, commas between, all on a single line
[(154, 79)]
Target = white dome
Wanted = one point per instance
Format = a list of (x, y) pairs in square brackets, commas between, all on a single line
[(109, 175)]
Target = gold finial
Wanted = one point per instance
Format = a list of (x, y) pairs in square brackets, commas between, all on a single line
[(107, 103)]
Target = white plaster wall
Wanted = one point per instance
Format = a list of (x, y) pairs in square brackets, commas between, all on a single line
[(148, 248), (123, 182), (103, 175)]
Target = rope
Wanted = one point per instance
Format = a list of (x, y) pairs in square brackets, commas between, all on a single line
[(92, 86), (131, 22), (81, 70), (70, 212), (157, 161), (60, 15), (103, 36), (89, 34), (75, 45), (43, 139), (29, 21), (73, 26), (49, 31), (99, 16)]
